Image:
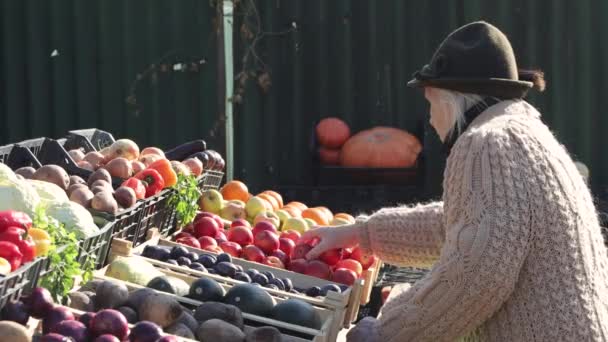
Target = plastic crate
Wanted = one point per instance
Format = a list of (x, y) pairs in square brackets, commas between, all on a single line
[(156, 213), (15, 156), (210, 179), (97, 245), (22, 280), (96, 138)]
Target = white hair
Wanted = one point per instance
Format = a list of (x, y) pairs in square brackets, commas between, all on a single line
[(457, 104)]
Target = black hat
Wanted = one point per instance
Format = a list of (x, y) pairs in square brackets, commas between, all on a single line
[(476, 58)]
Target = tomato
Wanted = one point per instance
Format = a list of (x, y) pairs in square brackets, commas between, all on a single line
[(350, 264)]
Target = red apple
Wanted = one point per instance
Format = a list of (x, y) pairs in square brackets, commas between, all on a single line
[(219, 221), (206, 226), (189, 241), (231, 248), (314, 242), (267, 241), (366, 261), (252, 253), (274, 262), (346, 253), (291, 234), (220, 236), (206, 241), (262, 226), (282, 256), (300, 251), (350, 264), (298, 265), (241, 235), (331, 257), (183, 234), (239, 223), (344, 276), (214, 249), (286, 245), (319, 269), (189, 228), (202, 214)]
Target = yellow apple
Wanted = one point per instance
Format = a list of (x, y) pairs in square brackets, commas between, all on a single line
[(338, 221), (295, 223), (311, 223), (211, 201), (233, 211), (239, 202), (254, 206), (283, 215), (269, 217)]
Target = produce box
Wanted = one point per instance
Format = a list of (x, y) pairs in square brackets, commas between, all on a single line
[(22, 280), (292, 332), (344, 306)]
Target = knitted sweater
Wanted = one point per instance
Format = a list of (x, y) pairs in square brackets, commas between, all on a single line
[(515, 246)]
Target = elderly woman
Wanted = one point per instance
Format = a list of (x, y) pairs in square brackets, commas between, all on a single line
[(515, 244)]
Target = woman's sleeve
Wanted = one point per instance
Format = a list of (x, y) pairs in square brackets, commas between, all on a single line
[(487, 240), (409, 236)]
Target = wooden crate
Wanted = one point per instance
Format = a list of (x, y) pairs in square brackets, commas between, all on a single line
[(326, 333)]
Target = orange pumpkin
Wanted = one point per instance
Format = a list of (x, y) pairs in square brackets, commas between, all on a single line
[(329, 156), (332, 132), (383, 147)]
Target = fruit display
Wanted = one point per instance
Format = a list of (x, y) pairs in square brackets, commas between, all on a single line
[(377, 147)]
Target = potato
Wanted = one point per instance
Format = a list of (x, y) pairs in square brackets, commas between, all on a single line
[(103, 201), (73, 188), (217, 330), (102, 174), (119, 167), (149, 159), (14, 332), (77, 155), (195, 166), (125, 196), (80, 301), (137, 166), (152, 150), (53, 174), (82, 195), (76, 180), (180, 168), (83, 164), (123, 148), (102, 183), (96, 159), (27, 172)]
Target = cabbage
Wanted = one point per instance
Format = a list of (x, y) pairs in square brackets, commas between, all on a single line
[(133, 270), (18, 195), (48, 192), (74, 217), (6, 173)]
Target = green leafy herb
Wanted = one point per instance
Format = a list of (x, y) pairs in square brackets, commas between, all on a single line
[(185, 199), (63, 265)]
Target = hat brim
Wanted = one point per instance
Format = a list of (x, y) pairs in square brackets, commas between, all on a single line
[(498, 87)]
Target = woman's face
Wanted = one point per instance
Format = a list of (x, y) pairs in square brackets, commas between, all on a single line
[(441, 119)]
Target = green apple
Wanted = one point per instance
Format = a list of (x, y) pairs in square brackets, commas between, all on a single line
[(269, 217), (211, 201), (338, 221), (233, 211), (283, 216), (295, 223), (311, 223), (254, 206)]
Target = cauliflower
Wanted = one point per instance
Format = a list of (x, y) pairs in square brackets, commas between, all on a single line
[(18, 195), (6, 173), (48, 192), (75, 218)]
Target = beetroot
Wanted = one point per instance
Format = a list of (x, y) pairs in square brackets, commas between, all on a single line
[(52, 337), (54, 316), (109, 322), (39, 302), (16, 312), (107, 338), (145, 331), (86, 318), (168, 338), (74, 329)]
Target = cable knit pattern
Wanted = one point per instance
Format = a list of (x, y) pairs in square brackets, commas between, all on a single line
[(522, 257)]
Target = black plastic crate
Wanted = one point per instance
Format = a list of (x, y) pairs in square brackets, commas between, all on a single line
[(156, 213), (210, 179), (97, 245), (22, 280), (352, 199), (92, 137)]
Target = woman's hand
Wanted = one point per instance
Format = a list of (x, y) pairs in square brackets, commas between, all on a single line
[(364, 331), (331, 238)]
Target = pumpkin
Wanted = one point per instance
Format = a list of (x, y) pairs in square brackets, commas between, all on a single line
[(332, 132), (329, 156), (381, 147)]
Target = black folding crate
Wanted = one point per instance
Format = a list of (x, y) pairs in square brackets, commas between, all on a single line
[(20, 281)]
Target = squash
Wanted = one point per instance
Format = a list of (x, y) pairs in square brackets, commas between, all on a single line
[(381, 147), (332, 132)]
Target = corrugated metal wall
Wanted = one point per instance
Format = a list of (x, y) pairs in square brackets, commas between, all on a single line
[(347, 58)]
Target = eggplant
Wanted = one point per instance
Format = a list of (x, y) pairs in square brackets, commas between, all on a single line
[(183, 151)]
